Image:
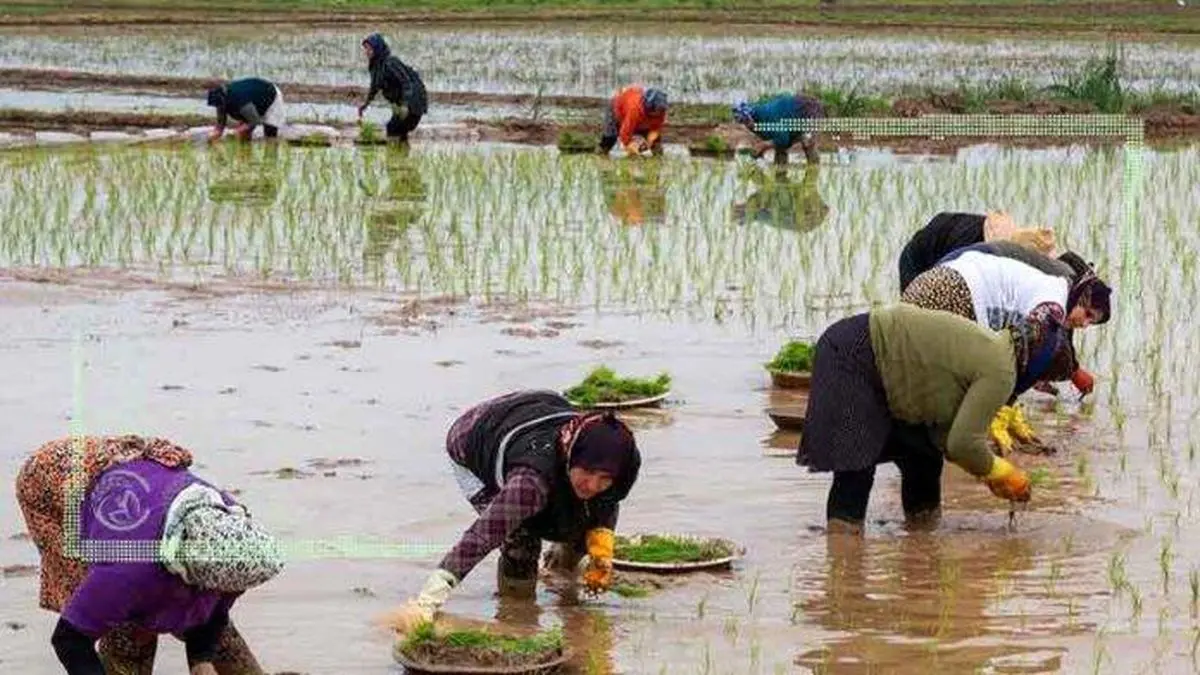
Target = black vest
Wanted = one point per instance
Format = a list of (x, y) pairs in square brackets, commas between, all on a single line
[(523, 429)]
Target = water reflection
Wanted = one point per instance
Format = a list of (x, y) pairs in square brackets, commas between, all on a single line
[(633, 191), (396, 204), (588, 630), (928, 602), (780, 200), (245, 174)]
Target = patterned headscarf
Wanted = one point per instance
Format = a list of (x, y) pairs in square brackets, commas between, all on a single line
[(1037, 342), (743, 113), (216, 546), (597, 441), (654, 100), (1087, 289)]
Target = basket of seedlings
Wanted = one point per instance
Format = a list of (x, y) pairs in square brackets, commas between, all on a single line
[(792, 366), (712, 146), (429, 650), (602, 389), (787, 418), (666, 553), (573, 143)]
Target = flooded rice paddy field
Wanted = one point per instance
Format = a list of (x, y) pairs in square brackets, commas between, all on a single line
[(298, 112), (310, 321), (711, 66)]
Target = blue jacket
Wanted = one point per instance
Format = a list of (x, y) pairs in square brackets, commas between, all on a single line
[(244, 100), (779, 108)]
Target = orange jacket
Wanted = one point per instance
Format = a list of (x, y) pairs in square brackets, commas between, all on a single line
[(631, 116)]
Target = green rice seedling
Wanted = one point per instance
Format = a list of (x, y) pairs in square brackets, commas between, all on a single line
[(602, 385), (752, 595), (1165, 557), (1117, 579), (731, 630), (795, 356), (1194, 585)]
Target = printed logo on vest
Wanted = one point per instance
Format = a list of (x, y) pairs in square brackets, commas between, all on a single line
[(121, 501)]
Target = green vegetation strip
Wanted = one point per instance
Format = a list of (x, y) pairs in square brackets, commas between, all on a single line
[(1080, 15)]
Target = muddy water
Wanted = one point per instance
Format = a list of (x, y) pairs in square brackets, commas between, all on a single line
[(262, 381), (693, 64)]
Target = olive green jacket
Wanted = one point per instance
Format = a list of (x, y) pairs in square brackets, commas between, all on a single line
[(945, 371)]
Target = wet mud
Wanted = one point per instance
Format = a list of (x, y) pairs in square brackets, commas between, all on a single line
[(978, 592)]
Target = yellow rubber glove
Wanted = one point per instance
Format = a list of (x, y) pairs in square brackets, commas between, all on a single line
[(1019, 427), (998, 431), (597, 576), (1007, 481)]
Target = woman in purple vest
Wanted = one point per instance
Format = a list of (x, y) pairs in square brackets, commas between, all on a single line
[(133, 545)]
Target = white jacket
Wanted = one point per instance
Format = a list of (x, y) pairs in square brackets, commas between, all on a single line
[(1003, 290)]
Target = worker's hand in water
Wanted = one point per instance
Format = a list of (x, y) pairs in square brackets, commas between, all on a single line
[(203, 668), (1007, 481), (999, 433), (402, 621), (424, 606), (215, 134), (598, 572), (243, 131), (1083, 381), (633, 149), (652, 139)]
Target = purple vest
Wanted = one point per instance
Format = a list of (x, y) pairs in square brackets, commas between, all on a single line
[(123, 516)]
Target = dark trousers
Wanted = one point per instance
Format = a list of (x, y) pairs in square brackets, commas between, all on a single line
[(920, 465), (399, 128), (270, 131)]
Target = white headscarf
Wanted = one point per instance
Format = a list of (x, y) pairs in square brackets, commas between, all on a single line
[(216, 546)]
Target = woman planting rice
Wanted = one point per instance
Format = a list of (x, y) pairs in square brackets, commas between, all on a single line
[(533, 468), (1000, 284), (160, 551), (907, 385), (635, 110), (947, 232)]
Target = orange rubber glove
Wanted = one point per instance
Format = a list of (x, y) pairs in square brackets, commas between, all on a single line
[(597, 576), (1083, 381), (1007, 481)]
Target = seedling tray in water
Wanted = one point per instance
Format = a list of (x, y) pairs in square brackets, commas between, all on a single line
[(419, 668), (708, 152), (576, 150), (681, 566), (647, 402), (785, 379), (790, 418)]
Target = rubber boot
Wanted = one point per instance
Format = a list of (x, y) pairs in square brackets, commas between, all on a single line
[(924, 521), (842, 526), (515, 587)]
